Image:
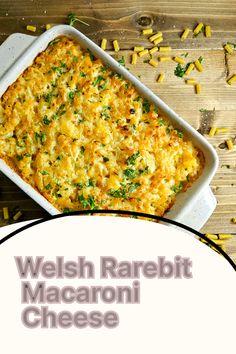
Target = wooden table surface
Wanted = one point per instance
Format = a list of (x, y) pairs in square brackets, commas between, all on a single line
[(124, 20)]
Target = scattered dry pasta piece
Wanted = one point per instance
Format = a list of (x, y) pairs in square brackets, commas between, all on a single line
[(179, 60), (116, 45), (158, 40), (231, 80), (198, 28), (198, 89), (134, 59), (208, 31), (229, 144), (161, 77), (5, 213), (155, 36), (153, 50), (48, 26), (31, 28), (143, 52), (219, 242), (147, 31), (190, 82), (212, 236), (138, 49), (185, 34), (228, 48), (104, 44), (233, 220), (221, 130), (17, 215), (164, 49), (153, 62), (198, 65), (212, 131), (164, 58), (225, 236), (189, 69)]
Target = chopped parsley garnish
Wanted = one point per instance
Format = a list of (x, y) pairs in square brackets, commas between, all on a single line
[(71, 96), (92, 57), (42, 137), (179, 70), (54, 41), (121, 61), (200, 59), (98, 79), (48, 187), (71, 19), (87, 203), (132, 159), (61, 110), (161, 121), (105, 159), (75, 59), (67, 210), (19, 157), (105, 112), (82, 74), (232, 44), (48, 97), (118, 193), (89, 183), (179, 133), (133, 186), (130, 173), (44, 173), (46, 121), (82, 150), (178, 188), (146, 106), (184, 55), (146, 170)]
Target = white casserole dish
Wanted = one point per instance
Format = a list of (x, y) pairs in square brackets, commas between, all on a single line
[(181, 210)]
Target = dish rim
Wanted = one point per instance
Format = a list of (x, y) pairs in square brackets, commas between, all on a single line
[(183, 200)]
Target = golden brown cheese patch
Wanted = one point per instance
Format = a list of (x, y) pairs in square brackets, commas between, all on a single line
[(83, 137)]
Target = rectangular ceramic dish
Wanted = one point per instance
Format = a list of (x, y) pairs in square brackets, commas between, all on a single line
[(184, 201)]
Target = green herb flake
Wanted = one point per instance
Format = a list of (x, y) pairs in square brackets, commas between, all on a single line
[(48, 187), (121, 61), (71, 19), (133, 186), (105, 159), (82, 74), (54, 41), (92, 57), (87, 203), (200, 59), (132, 159), (82, 150), (19, 157), (178, 188), (46, 121), (130, 173), (146, 106), (179, 133), (118, 193), (179, 70), (44, 173), (98, 79)]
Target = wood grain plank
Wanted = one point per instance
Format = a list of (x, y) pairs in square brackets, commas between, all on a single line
[(124, 20)]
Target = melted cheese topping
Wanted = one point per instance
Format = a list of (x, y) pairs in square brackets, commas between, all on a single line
[(83, 137)]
